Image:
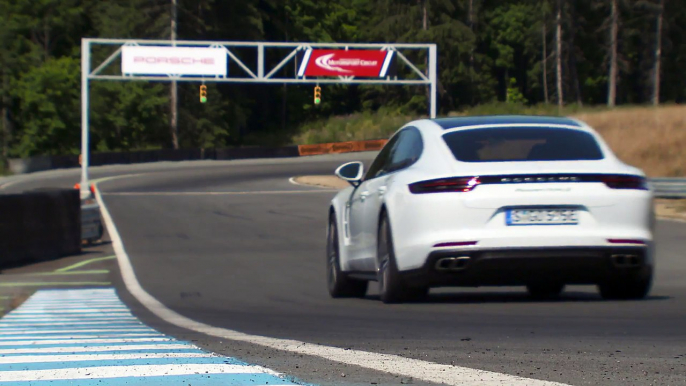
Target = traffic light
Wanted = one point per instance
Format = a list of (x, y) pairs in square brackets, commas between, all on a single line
[(317, 95), (203, 94)]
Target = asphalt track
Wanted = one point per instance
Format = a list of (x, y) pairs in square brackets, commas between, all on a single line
[(235, 245)]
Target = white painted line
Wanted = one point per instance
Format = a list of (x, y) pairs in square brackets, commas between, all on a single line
[(70, 308), (134, 194), (73, 338), (67, 317), (393, 364), (70, 323), (55, 295), (88, 311), (48, 302), (79, 341), (306, 60), (124, 331), (98, 357), (294, 182), (58, 350), (386, 63), (8, 184), (126, 371), (322, 189)]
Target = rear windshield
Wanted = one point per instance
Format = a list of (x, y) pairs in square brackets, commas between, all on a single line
[(501, 144)]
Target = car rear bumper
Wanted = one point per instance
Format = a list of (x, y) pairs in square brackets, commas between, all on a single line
[(521, 266)]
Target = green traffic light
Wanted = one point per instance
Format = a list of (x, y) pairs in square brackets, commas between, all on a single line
[(317, 101), (203, 99)]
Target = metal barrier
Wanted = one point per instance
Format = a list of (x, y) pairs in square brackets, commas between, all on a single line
[(669, 187), (91, 224)]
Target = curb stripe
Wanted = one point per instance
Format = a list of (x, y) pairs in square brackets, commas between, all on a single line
[(101, 362), (88, 337), (72, 332), (175, 380), (90, 357), (118, 371), (70, 338)]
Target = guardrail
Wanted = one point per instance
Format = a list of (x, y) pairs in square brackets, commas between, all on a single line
[(669, 187)]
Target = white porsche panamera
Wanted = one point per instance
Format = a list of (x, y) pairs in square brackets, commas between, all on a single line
[(497, 200)]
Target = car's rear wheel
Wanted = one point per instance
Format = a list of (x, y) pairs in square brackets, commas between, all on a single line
[(391, 286), (545, 290), (631, 287), (339, 284)]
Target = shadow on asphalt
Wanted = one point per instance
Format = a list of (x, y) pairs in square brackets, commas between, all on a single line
[(514, 297)]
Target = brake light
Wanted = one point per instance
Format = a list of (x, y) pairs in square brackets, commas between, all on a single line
[(455, 244), (625, 182), (457, 184), (626, 241)]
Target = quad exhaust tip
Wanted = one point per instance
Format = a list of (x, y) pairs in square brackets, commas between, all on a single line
[(625, 260), (452, 263)]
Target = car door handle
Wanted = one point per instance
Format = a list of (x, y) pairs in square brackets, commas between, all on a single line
[(364, 195), (382, 191)]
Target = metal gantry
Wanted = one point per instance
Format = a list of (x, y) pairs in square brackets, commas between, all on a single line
[(257, 72)]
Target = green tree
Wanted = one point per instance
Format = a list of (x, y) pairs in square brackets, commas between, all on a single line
[(48, 98)]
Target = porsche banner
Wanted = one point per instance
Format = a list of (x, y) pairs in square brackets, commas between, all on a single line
[(160, 60), (358, 63)]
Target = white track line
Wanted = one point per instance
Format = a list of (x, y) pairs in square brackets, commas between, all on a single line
[(121, 331), (8, 184), (98, 357), (127, 347), (125, 371), (71, 324), (39, 342), (294, 182), (394, 364), (71, 338)]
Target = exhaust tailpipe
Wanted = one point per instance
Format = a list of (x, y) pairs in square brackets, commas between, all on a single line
[(452, 263), (625, 260)]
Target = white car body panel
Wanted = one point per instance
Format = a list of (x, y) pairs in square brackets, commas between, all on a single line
[(420, 221)]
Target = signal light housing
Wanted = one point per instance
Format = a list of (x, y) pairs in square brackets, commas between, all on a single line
[(203, 93), (457, 184), (317, 95)]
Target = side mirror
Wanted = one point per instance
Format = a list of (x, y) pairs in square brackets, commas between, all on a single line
[(351, 172)]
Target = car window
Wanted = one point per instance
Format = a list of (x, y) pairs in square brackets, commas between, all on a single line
[(382, 159), (406, 151), (502, 144)]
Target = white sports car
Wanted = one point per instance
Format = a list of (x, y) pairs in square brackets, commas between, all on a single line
[(495, 200)]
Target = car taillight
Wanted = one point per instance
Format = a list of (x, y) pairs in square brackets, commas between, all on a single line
[(457, 184), (625, 182)]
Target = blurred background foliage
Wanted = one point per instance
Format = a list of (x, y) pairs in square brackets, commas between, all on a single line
[(494, 56)]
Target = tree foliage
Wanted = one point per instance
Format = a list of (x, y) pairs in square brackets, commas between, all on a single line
[(489, 50)]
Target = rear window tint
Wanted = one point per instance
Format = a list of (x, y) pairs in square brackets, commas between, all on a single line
[(522, 144)]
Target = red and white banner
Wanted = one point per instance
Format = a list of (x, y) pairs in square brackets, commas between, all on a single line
[(157, 60), (361, 63)]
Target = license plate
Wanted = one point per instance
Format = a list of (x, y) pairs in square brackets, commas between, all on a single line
[(541, 217)]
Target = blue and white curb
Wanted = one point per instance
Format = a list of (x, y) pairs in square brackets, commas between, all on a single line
[(89, 337)]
